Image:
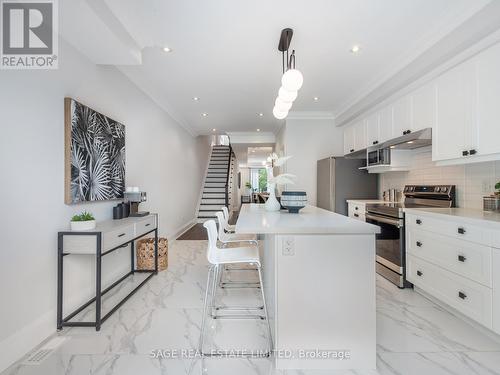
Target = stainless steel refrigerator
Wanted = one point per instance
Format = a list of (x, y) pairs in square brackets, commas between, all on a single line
[(340, 179)]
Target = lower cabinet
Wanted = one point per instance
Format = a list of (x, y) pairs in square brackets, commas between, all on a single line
[(455, 262)]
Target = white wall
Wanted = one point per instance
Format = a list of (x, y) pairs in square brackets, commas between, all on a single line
[(162, 159), (308, 140)]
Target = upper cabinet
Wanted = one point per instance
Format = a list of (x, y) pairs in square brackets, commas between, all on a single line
[(373, 129), (385, 124), (348, 139), (423, 107), (487, 134), (401, 116), (360, 135), (455, 115)]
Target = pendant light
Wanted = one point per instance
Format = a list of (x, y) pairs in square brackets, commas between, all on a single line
[(292, 79)]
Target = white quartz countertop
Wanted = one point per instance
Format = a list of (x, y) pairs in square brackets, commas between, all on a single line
[(255, 219), (467, 214), (368, 201)]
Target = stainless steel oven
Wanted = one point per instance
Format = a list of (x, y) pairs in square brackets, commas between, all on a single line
[(378, 157), (390, 247)]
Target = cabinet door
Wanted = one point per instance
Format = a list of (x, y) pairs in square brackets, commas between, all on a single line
[(372, 130), (360, 135), (488, 105), (385, 124), (348, 139), (401, 115), (423, 108), (454, 121)]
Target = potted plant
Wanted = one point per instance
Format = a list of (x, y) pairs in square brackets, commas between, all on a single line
[(83, 221), (248, 187), (497, 188)]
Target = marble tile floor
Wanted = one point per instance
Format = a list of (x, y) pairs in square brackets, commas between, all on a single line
[(414, 336)]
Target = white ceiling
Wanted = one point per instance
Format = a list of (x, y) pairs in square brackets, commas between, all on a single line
[(249, 155), (225, 52)]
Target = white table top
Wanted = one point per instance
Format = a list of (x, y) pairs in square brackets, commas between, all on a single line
[(255, 219), (475, 216)]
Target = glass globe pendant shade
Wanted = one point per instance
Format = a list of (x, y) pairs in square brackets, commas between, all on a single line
[(279, 114), (287, 96), (281, 105), (292, 80)]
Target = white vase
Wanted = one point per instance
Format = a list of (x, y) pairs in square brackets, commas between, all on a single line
[(272, 203), (79, 226)]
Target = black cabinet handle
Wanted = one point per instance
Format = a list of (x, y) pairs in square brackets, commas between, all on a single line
[(408, 131), (375, 142), (356, 215), (462, 295), (148, 224), (473, 152), (418, 221), (419, 244), (121, 235), (461, 258), (351, 150), (465, 153), (461, 230), (419, 273), (356, 208)]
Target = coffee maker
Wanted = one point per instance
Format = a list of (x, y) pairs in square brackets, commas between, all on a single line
[(133, 199)]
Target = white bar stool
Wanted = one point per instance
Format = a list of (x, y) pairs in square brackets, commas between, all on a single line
[(218, 258), (228, 227)]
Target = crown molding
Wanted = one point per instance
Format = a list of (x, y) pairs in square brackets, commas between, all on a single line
[(304, 115)]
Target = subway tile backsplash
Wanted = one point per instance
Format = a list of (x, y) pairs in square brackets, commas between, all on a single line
[(472, 181)]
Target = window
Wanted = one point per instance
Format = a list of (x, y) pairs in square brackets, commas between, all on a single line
[(258, 180)]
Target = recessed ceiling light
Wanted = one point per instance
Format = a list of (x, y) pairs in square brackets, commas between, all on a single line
[(258, 130), (167, 49), (214, 129), (315, 98), (195, 98), (393, 147), (204, 114), (355, 48), (409, 142), (261, 114)]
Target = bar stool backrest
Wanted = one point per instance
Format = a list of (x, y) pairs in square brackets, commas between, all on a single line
[(212, 241), (222, 224), (226, 213)]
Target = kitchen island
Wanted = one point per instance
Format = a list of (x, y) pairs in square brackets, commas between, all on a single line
[(319, 279)]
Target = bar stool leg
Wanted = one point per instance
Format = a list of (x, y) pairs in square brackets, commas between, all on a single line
[(205, 310), (265, 310)]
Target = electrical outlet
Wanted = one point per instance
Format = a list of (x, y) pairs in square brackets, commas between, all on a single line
[(288, 246)]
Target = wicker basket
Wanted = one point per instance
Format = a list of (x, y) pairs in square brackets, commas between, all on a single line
[(146, 254), (491, 203)]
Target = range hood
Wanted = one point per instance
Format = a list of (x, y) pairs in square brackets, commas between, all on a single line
[(417, 139)]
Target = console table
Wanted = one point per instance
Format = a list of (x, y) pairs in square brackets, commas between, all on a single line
[(107, 237)]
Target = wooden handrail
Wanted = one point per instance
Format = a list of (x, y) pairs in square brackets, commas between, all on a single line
[(227, 175)]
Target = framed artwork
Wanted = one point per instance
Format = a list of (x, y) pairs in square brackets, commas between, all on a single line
[(94, 155)]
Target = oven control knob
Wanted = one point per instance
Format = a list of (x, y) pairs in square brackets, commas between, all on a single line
[(444, 189), (438, 189)]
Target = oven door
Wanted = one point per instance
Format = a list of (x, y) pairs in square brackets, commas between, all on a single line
[(372, 158), (389, 246)]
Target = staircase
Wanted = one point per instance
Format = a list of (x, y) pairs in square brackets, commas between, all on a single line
[(218, 184)]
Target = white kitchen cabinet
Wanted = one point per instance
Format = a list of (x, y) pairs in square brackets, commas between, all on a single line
[(496, 290), (487, 134), (423, 107), (360, 135), (373, 130), (385, 124), (348, 139), (452, 136), (401, 116)]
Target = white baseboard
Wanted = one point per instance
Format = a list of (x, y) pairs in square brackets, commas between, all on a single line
[(23, 341)]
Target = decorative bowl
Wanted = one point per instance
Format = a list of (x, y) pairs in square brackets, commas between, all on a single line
[(293, 201)]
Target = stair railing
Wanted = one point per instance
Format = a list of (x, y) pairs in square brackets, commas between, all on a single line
[(228, 174)]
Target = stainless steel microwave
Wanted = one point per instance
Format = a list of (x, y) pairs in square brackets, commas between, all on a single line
[(378, 157)]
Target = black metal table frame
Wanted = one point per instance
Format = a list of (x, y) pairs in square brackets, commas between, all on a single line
[(65, 321)]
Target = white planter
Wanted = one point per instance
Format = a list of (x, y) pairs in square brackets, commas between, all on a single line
[(272, 203), (78, 226)]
